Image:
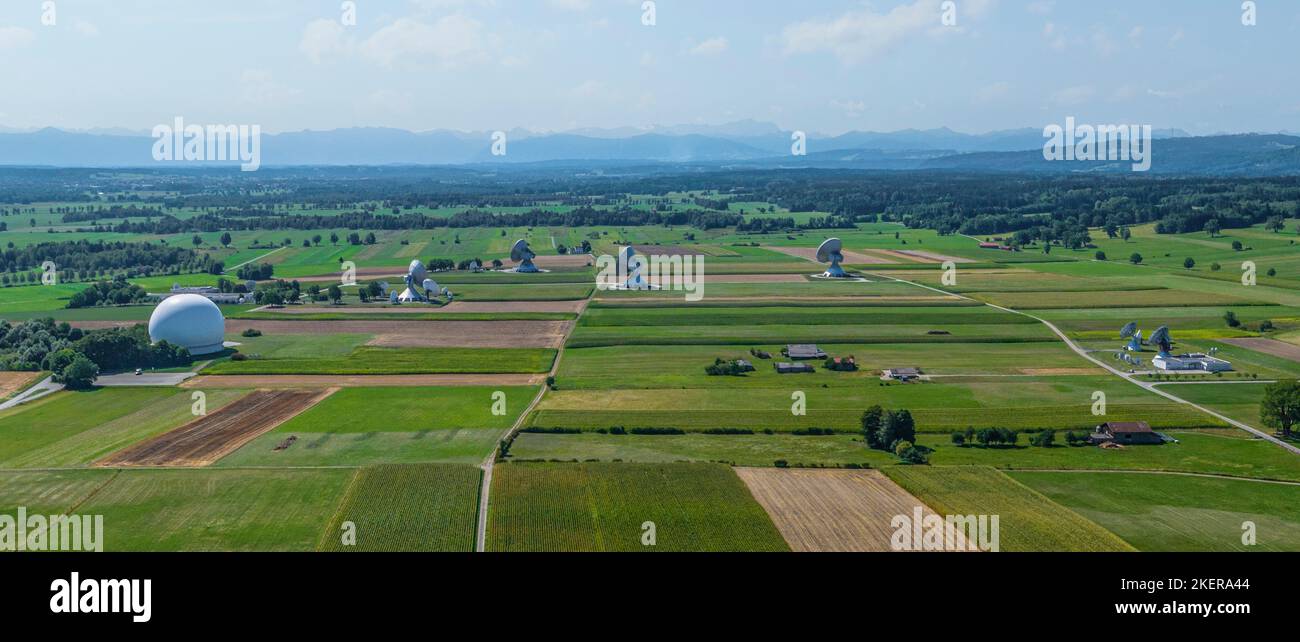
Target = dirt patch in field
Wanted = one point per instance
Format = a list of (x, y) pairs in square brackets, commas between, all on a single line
[(1271, 347), (810, 253), (921, 256), (831, 510), (207, 439), (362, 381), (12, 382), (424, 334)]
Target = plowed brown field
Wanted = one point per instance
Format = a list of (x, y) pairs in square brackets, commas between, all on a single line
[(831, 510), (211, 437)]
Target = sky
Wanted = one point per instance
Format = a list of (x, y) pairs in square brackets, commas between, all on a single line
[(825, 66)]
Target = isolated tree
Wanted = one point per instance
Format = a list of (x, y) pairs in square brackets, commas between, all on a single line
[(197, 240), (1236, 245), (225, 239), (1189, 262), (1280, 409), (1135, 259), (315, 239), (871, 422), (1230, 318), (1274, 224), (1100, 256), (334, 238), (1215, 267), (1212, 227), (1125, 234), (1272, 272), (336, 294)]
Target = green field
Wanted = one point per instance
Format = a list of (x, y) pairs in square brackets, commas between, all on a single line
[(1063, 402), (604, 507), (1028, 520), (1179, 512), (396, 361), (408, 508), (366, 426), (187, 510)]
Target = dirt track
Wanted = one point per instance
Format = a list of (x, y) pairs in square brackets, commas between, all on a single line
[(1268, 346), (361, 381), (831, 510), (425, 334), (209, 438)]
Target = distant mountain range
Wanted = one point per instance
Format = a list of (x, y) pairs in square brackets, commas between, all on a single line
[(743, 144)]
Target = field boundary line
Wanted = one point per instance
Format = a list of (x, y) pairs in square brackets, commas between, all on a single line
[(1121, 471), (236, 267), (485, 489), (343, 501), (1085, 354)]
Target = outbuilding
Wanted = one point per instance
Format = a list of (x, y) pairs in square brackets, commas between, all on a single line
[(1125, 432)]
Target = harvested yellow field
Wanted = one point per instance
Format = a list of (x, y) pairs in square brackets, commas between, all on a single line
[(822, 510)]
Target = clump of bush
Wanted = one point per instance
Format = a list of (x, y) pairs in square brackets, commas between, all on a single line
[(250, 333)]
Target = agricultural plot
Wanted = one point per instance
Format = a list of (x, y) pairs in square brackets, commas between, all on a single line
[(43, 423), (48, 492), (364, 426), (625, 507), (832, 510), (407, 508), (683, 366), (399, 361), (403, 333), (1112, 299), (213, 436), (215, 510), (1061, 402), (1157, 512), (584, 337), (1028, 520)]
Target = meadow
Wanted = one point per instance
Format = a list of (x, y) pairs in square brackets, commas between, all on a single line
[(407, 508), (1158, 512), (393, 361), (605, 507), (1029, 521), (49, 431)]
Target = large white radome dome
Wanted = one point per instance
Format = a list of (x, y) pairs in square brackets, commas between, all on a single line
[(190, 321)]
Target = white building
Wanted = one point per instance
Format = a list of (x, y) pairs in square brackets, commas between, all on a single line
[(191, 321), (1195, 361)]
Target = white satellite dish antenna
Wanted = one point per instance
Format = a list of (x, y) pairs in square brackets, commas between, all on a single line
[(417, 271), (431, 288), (524, 256), (630, 264), (830, 252)]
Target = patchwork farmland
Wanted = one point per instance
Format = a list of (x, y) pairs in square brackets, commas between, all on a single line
[(549, 412)]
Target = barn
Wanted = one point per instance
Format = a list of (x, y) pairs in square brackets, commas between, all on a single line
[(1125, 432)]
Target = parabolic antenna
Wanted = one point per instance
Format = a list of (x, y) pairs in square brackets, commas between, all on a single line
[(630, 264), (1128, 330), (383, 286), (431, 288), (417, 271), (830, 252), (1160, 338), (524, 256)]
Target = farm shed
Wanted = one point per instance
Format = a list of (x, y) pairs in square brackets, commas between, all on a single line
[(903, 374), (1125, 432), (793, 368), (804, 351)]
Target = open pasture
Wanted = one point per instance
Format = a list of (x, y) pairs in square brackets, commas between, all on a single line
[(1162, 512), (417, 334), (1114, 299), (605, 507), (399, 361), (864, 333), (49, 430), (1028, 520)]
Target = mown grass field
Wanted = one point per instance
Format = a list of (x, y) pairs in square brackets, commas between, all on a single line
[(54, 423), (377, 361), (1178, 512), (207, 509), (1029, 521), (603, 507), (704, 334), (408, 508)]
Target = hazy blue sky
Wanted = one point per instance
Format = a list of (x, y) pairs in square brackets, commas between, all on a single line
[(816, 65)]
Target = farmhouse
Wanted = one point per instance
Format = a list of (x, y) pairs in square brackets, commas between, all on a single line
[(794, 368), (1125, 432), (804, 351), (903, 374), (1195, 361)]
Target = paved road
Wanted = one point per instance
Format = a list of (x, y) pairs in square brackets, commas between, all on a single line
[(40, 389), (1126, 376), (146, 379)]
